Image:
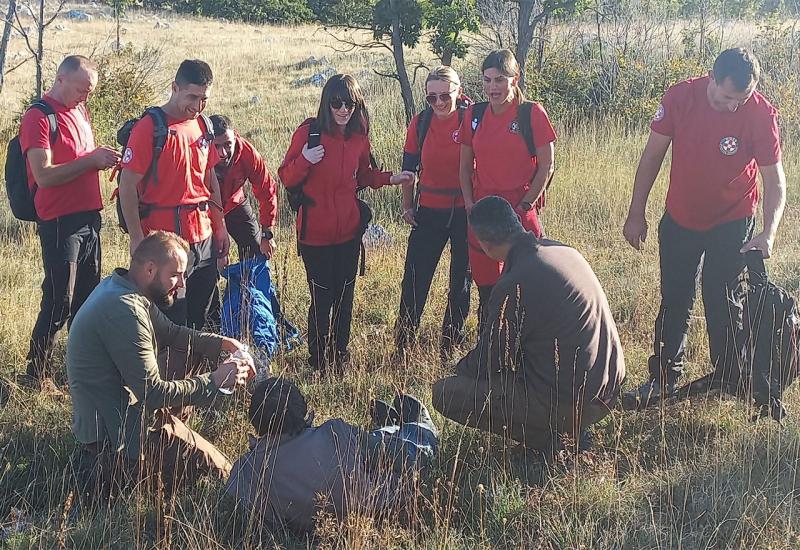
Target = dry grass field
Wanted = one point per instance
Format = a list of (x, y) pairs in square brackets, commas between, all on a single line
[(696, 475)]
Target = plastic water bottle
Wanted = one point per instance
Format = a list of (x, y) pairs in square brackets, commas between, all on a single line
[(244, 354)]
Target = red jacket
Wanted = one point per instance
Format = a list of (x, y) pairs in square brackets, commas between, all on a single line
[(331, 184), (247, 164)]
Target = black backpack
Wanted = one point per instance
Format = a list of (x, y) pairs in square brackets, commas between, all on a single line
[(769, 363), (20, 194), (160, 134), (525, 130), (413, 162)]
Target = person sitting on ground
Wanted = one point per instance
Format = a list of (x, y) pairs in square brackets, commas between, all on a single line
[(295, 471), (549, 362), (119, 395)]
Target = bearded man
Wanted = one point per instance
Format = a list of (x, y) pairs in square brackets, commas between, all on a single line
[(120, 397)]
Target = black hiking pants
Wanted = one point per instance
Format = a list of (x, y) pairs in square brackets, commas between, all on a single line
[(435, 227), (244, 229), (484, 293), (71, 257), (683, 253), (331, 273)]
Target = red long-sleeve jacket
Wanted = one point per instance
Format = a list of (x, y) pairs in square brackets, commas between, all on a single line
[(247, 165), (331, 184)]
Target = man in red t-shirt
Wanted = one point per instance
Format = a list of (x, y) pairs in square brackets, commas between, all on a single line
[(184, 197), (239, 163), (64, 175), (723, 133)]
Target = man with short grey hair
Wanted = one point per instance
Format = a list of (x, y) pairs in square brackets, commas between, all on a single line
[(549, 361), (63, 167)]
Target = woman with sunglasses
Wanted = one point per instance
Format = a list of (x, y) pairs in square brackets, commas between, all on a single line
[(436, 213), (329, 172), (497, 160)]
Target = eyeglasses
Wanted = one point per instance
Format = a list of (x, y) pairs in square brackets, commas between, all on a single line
[(337, 104), (431, 98)]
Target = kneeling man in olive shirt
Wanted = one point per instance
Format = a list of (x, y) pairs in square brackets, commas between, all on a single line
[(120, 394), (549, 361)]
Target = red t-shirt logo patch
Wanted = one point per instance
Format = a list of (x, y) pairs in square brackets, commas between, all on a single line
[(729, 146), (128, 156), (659, 116), (514, 127), (455, 136)]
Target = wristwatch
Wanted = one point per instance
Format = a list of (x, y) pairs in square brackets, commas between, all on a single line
[(267, 234), (526, 206)]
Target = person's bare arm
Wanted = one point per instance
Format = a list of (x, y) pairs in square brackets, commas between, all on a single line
[(47, 174), (635, 229), (774, 181), (129, 201), (545, 162), (465, 169)]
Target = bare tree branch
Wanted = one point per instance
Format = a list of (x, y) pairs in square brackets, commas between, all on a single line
[(57, 12), (18, 65), (24, 33)]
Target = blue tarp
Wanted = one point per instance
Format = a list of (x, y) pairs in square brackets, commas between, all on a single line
[(250, 308)]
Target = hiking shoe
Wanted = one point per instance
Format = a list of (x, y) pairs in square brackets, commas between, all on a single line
[(648, 394)]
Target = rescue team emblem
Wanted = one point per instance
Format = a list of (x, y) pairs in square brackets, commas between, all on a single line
[(128, 156), (455, 136), (659, 116), (474, 123), (203, 142), (514, 127), (729, 146)]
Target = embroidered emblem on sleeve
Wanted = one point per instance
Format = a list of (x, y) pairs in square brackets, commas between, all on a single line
[(659, 116), (729, 146)]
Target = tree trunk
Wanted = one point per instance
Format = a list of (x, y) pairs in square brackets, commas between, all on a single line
[(116, 16), (525, 28), (12, 6), (447, 57), (400, 66), (39, 57)]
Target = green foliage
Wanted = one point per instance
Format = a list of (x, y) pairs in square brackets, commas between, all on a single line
[(410, 14), (343, 12), (126, 84), (449, 20), (288, 12)]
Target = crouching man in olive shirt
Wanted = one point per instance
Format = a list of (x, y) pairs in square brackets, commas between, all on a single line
[(119, 395), (549, 361)]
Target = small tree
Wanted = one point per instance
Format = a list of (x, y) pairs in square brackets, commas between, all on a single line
[(396, 24), (35, 44), (449, 20), (12, 7)]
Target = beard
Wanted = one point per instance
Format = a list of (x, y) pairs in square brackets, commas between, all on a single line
[(162, 297)]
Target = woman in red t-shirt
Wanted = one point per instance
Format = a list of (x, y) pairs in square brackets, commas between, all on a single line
[(327, 162), (497, 160), (436, 215)]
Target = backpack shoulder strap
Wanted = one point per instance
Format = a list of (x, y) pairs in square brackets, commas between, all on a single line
[(525, 126), (423, 125), (160, 133), (207, 127), (313, 125), (50, 114), (478, 110)]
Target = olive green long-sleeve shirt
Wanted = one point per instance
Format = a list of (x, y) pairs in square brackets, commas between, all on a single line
[(113, 373)]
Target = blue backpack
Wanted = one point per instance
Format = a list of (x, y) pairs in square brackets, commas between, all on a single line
[(251, 311)]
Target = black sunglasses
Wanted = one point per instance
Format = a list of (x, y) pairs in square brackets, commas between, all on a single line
[(337, 104), (431, 98)]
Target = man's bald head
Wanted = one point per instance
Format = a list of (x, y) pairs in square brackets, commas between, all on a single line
[(75, 79), (75, 63), (159, 247)]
